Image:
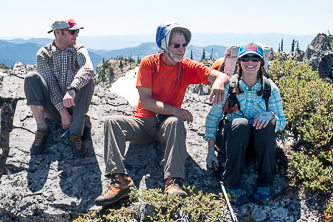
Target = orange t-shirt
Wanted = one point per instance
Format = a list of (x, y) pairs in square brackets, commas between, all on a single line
[(154, 74)]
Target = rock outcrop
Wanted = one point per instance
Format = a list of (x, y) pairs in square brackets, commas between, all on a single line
[(319, 54), (54, 186)]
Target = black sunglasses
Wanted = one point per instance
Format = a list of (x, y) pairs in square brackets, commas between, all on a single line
[(177, 45), (73, 32), (253, 58)]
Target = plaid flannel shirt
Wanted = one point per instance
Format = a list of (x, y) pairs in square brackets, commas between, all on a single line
[(60, 69), (250, 105)]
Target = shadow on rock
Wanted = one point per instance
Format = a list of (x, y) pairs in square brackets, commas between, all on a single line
[(68, 183), (202, 179), (144, 165)]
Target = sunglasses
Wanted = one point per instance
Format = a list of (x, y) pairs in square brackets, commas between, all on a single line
[(177, 45), (73, 32), (253, 58)]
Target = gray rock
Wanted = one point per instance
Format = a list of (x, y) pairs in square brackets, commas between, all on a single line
[(319, 54), (145, 210), (53, 186)]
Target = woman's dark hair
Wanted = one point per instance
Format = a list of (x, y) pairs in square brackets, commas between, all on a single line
[(261, 73)]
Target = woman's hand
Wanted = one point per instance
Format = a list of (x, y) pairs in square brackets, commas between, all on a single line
[(211, 157), (261, 120)]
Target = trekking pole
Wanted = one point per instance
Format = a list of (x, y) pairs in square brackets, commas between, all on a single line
[(217, 174)]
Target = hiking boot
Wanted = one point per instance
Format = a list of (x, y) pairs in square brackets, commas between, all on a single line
[(173, 187), (87, 129), (75, 143), (41, 138), (237, 196), (262, 195), (120, 188), (86, 134)]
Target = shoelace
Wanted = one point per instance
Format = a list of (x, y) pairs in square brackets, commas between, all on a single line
[(175, 182), (38, 138), (77, 140), (116, 180), (235, 193), (264, 190)]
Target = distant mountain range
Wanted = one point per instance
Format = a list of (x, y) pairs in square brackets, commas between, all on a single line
[(19, 50), (105, 47), (151, 48), (198, 39)]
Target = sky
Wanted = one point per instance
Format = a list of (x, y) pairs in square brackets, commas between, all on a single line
[(32, 18)]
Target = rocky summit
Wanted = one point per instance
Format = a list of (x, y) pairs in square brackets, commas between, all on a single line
[(55, 186)]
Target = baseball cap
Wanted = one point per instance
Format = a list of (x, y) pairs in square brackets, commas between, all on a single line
[(250, 48), (64, 22)]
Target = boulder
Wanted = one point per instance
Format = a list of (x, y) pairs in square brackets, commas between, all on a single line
[(319, 54)]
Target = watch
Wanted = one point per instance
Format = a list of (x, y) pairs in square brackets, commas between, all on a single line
[(71, 88)]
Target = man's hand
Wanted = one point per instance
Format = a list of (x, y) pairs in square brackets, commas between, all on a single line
[(261, 120), (219, 79), (68, 99), (211, 157), (217, 91), (65, 119), (184, 114)]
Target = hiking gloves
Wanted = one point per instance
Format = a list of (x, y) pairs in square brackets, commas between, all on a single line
[(264, 117), (211, 157)]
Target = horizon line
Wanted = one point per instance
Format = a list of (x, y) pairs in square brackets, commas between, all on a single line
[(115, 35)]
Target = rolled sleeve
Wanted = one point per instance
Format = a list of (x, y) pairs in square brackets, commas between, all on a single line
[(275, 106), (214, 117), (212, 121), (86, 70)]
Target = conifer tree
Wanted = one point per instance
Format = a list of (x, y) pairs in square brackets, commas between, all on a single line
[(191, 54), (203, 54), (279, 49), (211, 55), (121, 65), (293, 45), (297, 45), (282, 45)]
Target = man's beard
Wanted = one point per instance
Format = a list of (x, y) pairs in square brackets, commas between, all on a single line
[(175, 58)]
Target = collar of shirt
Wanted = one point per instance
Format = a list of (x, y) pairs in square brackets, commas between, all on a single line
[(244, 87), (56, 50)]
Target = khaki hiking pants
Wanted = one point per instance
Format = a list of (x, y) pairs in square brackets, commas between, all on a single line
[(171, 133), (37, 93)]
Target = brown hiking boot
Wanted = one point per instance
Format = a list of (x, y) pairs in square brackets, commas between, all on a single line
[(41, 138), (173, 186), (75, 143), (120, 188)]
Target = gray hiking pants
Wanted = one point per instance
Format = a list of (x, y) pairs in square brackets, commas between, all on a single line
[(171, 133), (37, 93), (234, 139)]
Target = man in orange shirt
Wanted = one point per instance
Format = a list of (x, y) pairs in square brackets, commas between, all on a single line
[(162, 82)]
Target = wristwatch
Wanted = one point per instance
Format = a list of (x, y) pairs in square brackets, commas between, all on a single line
[(71, 88)]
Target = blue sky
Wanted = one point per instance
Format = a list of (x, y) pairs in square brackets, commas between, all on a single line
[(25, 19)]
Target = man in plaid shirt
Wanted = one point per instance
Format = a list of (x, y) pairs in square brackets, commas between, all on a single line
[(62, 87)]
